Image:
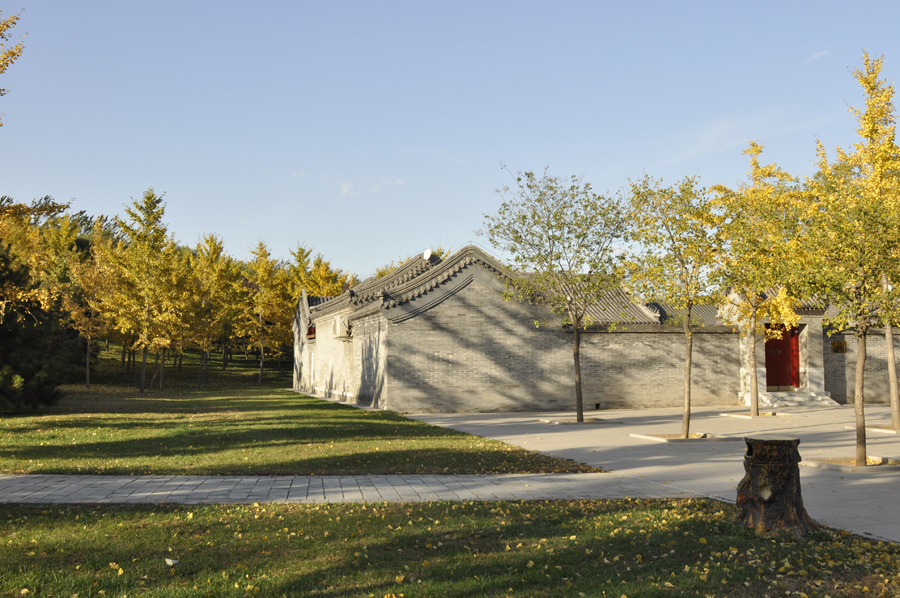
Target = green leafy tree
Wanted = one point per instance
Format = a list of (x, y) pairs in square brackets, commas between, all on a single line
[(20, 230), (36, 353), (762, 260), (561, 237), (676, 229)]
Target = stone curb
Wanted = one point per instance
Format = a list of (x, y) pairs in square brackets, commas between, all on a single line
[(871, 469), (705, 438)]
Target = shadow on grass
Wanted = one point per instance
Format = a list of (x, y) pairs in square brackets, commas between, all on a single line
[(270, 459), (536, 548), (262, 433)]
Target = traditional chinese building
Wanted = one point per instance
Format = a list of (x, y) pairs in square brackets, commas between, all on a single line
[(437, 335)]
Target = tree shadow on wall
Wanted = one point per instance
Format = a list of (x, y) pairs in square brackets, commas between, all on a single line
[(464, 350)]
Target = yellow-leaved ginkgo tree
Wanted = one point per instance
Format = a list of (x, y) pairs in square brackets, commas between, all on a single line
[(141, 297), (8, 55), (268, 307), (677, 254), (316, 276), (762, 260), (216, 299), (92, 278), (852, 224)]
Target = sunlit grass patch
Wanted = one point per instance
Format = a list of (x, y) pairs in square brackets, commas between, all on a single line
[(626, 547), (249, 431)]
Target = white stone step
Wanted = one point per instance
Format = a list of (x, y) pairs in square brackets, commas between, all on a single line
[(790, 399)]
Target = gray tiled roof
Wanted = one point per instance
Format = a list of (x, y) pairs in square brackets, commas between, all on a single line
[(313, 300), (707, 315), (419, 276), (618, 306)]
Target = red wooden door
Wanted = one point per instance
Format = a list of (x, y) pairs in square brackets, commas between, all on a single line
[(783, 359)]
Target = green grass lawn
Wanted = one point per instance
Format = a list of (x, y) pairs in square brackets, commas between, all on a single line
[(631, 548), (249, 431), (242, 372), (231, 426), (634, 548)]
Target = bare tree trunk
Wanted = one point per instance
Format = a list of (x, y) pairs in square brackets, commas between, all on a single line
[(754, 381), (124, 366), (262, 349), (143, 368), (892, 367), (859, 408), (87, 364), (146, 330), (155, 370), (892, 377), (162, 368), (688, 354), (576, 352), (262, 360)]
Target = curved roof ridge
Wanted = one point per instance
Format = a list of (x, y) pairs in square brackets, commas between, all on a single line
[(442, 272), (402, 275)]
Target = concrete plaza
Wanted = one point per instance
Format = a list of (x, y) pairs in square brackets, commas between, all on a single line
[(864, 502)]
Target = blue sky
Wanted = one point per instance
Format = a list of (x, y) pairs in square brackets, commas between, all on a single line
[(372, 130)]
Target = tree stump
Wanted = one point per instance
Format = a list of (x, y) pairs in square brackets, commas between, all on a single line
[(768, 498)]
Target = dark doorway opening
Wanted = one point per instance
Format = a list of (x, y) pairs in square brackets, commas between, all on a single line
[(783, 361)]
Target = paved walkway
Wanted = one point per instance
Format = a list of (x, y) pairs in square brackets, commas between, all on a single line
[(91, 489), (864, 503)]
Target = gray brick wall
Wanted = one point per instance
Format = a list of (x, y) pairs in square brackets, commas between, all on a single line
[(476, 352), (840, 368), (327, 364), (349, 370), (647, 369), (369, 359)]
